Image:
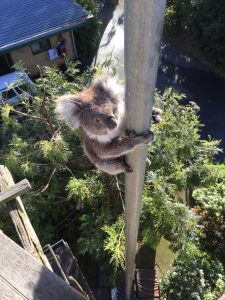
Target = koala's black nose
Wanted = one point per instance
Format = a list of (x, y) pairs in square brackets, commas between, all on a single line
[(111, 122)]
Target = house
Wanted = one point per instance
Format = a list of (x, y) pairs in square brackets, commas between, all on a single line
[(39, 32)]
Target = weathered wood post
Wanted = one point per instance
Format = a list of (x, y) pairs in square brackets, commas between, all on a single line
[(143, 31), (18, 214)]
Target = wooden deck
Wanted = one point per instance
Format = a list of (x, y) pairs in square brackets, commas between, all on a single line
[(147, 284), (23, 277)]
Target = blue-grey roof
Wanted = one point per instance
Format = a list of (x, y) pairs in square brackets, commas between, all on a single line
[(25, 21)]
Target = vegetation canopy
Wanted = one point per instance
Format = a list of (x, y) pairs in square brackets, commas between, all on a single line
[(73, 200), (204, 21)]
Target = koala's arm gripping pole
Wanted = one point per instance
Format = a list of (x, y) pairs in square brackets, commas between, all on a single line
[(143, 31)]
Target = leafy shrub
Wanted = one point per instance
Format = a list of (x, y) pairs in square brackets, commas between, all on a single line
[(88, 36), (115, 242), (37, 146), (204, 20), (170, 17), (162, 216), (196, 275), (71, 199), (211, 209)]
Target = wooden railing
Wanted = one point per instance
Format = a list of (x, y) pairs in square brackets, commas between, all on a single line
[(26, 274)]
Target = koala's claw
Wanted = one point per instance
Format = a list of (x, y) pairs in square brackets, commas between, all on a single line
[(130, 133), (128, 169), (149, 137)]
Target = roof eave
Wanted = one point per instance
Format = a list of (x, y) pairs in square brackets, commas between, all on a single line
[(45, 35)]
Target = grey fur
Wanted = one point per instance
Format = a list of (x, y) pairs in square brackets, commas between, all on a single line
[(98, 112)]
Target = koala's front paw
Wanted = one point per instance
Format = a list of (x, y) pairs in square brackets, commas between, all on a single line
[(145, 138), (149, 137), (127, 167), (130, 133)]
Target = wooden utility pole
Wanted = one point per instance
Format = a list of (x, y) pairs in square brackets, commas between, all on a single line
[(10, 190), (143, 31)]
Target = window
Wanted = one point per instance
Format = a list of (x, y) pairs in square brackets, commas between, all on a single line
[(21, 88), (8, 94), (40, 46)]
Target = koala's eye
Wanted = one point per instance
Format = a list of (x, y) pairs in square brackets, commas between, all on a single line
[(98, 121)]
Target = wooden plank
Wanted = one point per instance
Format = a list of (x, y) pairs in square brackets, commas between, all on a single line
[(7, 293), (147, 283), (12, 192), (31, 279), (26, 233)]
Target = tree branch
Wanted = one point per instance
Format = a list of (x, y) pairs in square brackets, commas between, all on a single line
[(120, 193), (46, 115), (47, 185), (28, 116)]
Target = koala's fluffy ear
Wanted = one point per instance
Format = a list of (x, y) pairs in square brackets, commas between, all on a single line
[(69, 109), (108, 84)]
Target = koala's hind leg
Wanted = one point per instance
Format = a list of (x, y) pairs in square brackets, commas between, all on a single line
[(114, 166)]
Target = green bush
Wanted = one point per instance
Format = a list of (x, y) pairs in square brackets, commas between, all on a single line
[(88, 37), (211, 209), (170, 17), (204, 20), (196, 275), (72, 200), (38, 147)]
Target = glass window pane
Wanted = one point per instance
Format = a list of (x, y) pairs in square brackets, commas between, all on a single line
[(22, 88), (40, 46), (8, 94), (45, 44), (35, 47)]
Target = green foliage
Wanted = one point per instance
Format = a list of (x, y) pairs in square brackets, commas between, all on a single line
[(39, 147), (179, 154), (162, 216), (71, 199), (212, 198), (100, 213), (178, 158), (56, 150), (87, 191), (211, 209), (115, 242), (91, 236), (170, 17), (196, 275), (88, 37), (204, 20), (181, 161), (5, 114), (19, 66)]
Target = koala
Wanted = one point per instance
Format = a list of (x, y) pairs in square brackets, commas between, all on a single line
[(99, 111)]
